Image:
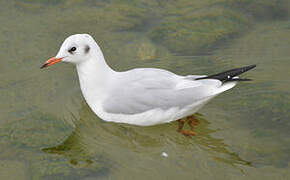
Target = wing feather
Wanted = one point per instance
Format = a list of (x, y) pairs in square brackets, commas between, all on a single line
[(141, 90)]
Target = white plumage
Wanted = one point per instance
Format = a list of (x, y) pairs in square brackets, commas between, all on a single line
[(143, 97)]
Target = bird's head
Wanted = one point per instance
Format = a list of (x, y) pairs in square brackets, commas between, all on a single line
[(75, 49)]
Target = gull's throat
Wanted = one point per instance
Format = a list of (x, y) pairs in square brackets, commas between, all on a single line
[(94, 76)]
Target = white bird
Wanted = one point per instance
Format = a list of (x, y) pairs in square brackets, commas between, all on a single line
[(143, 96)]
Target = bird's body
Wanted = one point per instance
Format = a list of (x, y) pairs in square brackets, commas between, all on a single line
[(150, 96), (145, 96)]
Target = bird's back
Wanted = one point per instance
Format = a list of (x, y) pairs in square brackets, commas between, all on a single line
[(141, 90)]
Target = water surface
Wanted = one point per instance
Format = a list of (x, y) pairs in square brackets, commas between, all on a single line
[(47, 131)]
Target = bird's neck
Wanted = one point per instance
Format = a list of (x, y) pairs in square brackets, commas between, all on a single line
[(94, 76)]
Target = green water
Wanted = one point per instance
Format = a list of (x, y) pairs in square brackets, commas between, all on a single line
[(47, 131)]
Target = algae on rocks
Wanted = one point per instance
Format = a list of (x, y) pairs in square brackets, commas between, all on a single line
[(183, 26), (198, 33), (200, 26)]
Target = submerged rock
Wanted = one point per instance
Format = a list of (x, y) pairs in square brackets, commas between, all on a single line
[(197, 33), (36, 130), (142, 49), (35, 6), (200, 26), (147, 50), (12, 169), (183, 26), (262, 9)]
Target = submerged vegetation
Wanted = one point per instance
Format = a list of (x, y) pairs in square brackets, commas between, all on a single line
[(183, 26)]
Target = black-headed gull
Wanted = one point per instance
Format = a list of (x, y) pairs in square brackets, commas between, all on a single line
[(143, 96)]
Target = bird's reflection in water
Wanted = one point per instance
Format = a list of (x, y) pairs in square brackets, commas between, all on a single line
[(115, 144)]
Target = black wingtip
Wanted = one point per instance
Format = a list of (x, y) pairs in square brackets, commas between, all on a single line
[(230, 74), (247, 68)]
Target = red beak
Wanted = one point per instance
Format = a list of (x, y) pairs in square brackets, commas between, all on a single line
[(51, 61)]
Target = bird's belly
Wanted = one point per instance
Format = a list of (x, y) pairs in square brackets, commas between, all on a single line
[(151, 117), (147, 118)]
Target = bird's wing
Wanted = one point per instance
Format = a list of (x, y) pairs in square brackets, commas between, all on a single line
[(140, 90)]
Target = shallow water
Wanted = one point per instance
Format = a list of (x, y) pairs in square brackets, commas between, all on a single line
[(47, 131)]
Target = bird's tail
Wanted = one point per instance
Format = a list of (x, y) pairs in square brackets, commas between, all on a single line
[(230, 75)]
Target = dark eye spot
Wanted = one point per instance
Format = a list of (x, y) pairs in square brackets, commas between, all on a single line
[(71, 50), (87, 49)]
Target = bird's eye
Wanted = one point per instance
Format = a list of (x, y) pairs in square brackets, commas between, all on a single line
[(72, 49)]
